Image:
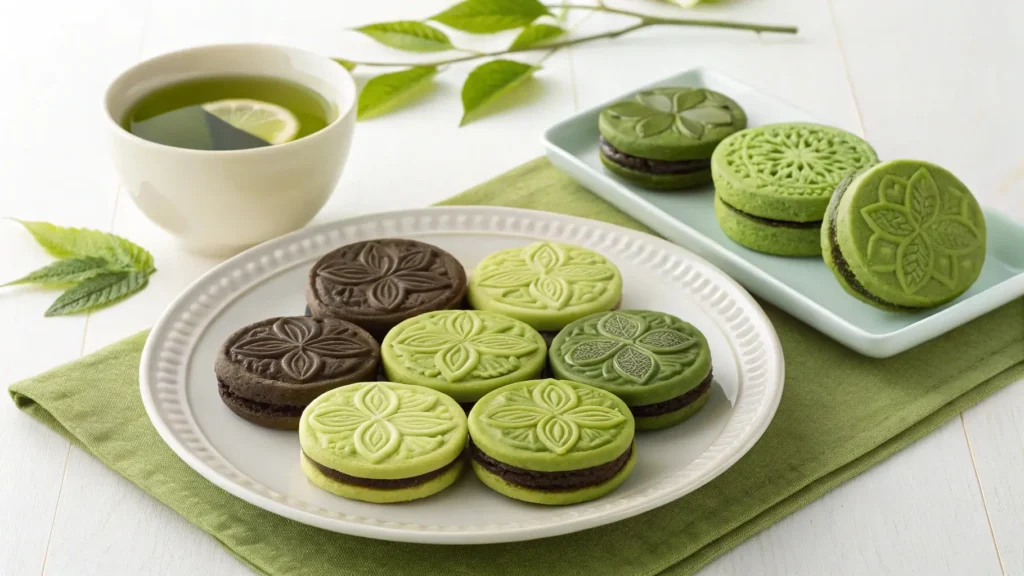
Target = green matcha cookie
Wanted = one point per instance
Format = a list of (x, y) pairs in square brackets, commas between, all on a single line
[(382, 442), (551, 441), (546, 284), (463, 353), (904, 235), (657, 364), (662, 139), (774, 182)]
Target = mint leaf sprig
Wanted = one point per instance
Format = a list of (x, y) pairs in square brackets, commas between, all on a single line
[(98, 268), (488, 82)]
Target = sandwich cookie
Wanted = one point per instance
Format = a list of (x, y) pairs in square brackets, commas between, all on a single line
[(269, 371), (382, 442), (773, 183), (551, 441), (662, 139), (379, 283), (463, 353), (546, 284), (659, 365), (904, 235)]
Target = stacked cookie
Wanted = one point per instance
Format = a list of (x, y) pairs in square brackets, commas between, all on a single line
[(379, 378)]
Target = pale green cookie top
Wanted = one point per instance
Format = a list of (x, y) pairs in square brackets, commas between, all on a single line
[(463, 353), (671, 123), (546, 284), (787, 171), (642, 357), (911, 232), (383, 430), (551, 425)]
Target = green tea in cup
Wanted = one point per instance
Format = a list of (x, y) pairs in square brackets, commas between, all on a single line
[(228, 113)]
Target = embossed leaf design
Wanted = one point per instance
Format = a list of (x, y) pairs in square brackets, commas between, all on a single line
[(595, 417), (267, 346), (709, 115), (555, 396), (592, 352), (631, 109), (348, 273), (892, 190), (688, 112), (684, 100), (421, 424), (376, 439), (654, 125), (516, 416), (503, 344), (893, 222), (689, 126), (635, 364), (337, 347), (583, 273), (954, 234), (419, 281), (508, 278), (457, 362), (295, 330), (559, 434), (914, 263), (463, 325), (376, 257), (376, 400), (414, 260), (666, 341), (656, 101), (297, 347), (552, 291), (922, 197), (301, 364), (621, 326), (428, 342), (543, 257), (385, 294), (333, 419)]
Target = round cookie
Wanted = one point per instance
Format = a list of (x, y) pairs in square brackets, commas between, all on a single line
[(269, 371), (463, 353), (378, 283), (382, 441), (774, 183), (659, 365), (546, 284), (662, 139), (551, 441), (904, 235)]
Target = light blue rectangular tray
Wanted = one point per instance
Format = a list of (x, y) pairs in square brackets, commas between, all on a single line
[(804, 287)]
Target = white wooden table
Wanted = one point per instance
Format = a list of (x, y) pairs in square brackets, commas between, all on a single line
[(939, 80)]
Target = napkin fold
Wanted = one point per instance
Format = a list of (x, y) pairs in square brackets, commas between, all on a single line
[(840, 414)]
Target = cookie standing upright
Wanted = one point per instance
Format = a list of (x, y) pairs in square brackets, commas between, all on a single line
[(378, 283), (382, 442), (662, 139), (267, 372), (545, 284), (551, 441), (659, 365), (904, 235), (773, 183), (463, 353)]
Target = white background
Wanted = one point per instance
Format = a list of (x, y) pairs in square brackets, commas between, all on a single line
[(940, 80)]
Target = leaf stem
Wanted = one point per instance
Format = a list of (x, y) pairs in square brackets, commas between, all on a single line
[(645, 21)]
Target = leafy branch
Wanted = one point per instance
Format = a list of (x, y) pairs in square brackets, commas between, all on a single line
[(488, 81)]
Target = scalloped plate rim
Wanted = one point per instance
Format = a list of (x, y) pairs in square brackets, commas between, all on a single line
[(158, 340)]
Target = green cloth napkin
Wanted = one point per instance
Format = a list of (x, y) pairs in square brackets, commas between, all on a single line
[(840, 414)]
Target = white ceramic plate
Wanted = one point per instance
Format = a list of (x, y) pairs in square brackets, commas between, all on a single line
[(804, 287), (262, 466)]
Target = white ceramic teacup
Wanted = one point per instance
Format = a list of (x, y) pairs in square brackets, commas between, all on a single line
[(219, 202)]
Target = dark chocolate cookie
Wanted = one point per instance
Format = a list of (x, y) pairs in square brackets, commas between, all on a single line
[(268, 372), (378, 283)]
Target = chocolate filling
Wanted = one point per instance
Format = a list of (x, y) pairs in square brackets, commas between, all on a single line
[(673, 404), (380, 484), (652, 166), (839, 261), (551, 481), (281, 410), (770, 221)]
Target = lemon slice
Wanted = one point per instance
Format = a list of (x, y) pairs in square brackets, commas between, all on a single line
[(264, 120)]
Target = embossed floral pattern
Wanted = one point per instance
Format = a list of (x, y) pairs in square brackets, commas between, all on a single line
[(545, 275), (920, 231), (460, 345), (378, 423), (384, 276), (809, 160), (299, 349), (686, 111), (640, 348), (555, 416)]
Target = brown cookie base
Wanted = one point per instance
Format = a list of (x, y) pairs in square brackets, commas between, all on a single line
[(376, 483), (550, 481), (279, 417), (673, 404)]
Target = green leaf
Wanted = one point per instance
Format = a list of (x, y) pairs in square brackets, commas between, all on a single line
[(346, 64), (654, 125), (630, 109), (489, 81), (81, 243), (954, 234), (890, 220), (914, 263), (389, 91), (97, 292), (487, 16), (408, 35), (535, 34), (65, 272), (923, 199)]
